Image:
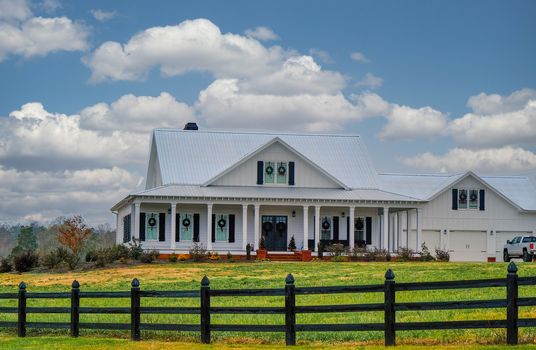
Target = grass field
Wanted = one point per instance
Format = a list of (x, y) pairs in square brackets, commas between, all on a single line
[(270, 274)]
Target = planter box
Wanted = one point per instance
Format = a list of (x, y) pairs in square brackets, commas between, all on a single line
[(304, 255), (262, 254)]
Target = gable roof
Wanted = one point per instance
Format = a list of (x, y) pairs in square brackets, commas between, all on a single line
[(206, 154), (519, 191), (265, 146)]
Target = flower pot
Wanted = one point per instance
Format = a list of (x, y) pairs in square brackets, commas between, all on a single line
[(306, 255), (262, 254)]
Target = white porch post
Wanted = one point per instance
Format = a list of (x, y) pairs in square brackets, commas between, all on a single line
[(317, 227), (305, 227), (118, 233), (173, 224), (209, 226), (136, 226), (385, 228), (244, 226), (257, 223), (351, 238), (419, 228), (395, 232)]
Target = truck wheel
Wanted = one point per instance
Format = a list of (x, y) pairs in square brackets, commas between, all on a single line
[(506, 257), (526, 256)]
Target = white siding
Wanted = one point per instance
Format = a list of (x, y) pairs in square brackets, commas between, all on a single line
[(305, 175)]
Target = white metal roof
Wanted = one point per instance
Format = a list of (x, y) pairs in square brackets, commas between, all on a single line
[(272, 193), (190, 157)]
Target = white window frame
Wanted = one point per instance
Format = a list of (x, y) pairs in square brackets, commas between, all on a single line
[(468, 199), (322, 218), (275, 173), (217, 217), (147, 226), (182, 216), (364, 228)]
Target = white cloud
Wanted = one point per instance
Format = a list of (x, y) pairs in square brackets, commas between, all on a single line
[(359, 57), (322, 55), (14, 10), (103, 16), (405, 123), (495, 104), (193, 45), (137, 114), (50, 5), (370, 81), (45, 195), (39, 36), (261, 33), (506, 159), (224, 104)]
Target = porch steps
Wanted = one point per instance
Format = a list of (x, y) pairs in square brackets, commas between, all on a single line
[(283, 257)]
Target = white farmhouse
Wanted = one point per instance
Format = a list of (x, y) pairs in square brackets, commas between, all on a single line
[(228, 189)]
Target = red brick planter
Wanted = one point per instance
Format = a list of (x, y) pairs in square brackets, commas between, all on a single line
[(262, 254)]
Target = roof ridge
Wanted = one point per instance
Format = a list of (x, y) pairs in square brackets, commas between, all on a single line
[(254, 132)]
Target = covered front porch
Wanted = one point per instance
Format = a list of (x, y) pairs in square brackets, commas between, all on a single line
[(228, 226)]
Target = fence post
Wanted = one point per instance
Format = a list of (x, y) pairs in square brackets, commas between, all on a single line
[(205, 310), (135, 310), (21, 310), (75, 309), (511, 304), (290, 311), (389, 317)]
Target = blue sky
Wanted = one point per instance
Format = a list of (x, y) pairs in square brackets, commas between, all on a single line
[(432, 86)]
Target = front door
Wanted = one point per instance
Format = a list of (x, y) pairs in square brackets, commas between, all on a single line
[(274, 231)]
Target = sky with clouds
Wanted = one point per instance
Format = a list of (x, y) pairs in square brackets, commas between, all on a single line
[(431, 86)]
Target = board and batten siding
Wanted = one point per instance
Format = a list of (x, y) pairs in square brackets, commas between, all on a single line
[(305, 175)]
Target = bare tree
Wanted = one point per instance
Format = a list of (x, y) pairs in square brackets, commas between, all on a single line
[(73, 234)]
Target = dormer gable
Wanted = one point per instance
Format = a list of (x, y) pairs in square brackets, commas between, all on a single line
[(276, 164)]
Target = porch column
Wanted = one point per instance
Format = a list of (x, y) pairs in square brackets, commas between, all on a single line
[(244, 226), (317, 227), (136, 226), (209, 226), (118, 233), (395, 232), (419, 228), (173, 224), (385, 228), (305, 227), (409, 226), (351, 217), (257, 223)]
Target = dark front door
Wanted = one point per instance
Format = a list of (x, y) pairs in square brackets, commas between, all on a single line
[(274, 231)]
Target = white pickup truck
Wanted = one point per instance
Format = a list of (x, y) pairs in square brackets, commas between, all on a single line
[(520, 247)]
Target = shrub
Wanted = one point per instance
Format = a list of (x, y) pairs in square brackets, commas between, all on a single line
[(405, 254), (425, 253), (336, 249), (135, 249), (339, 258), (262, 244), (377, 255), (248, 251), (120, 251), (149, 257), (53, 258), (292, 243), (183, 257), (357, 251), (442, 255), (5, 265), (91, 256), (214, 256), (320, 250), (229, 256), (173, 258), (197, 252), (25, 260)]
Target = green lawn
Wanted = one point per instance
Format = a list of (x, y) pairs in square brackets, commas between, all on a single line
[(270, 274)]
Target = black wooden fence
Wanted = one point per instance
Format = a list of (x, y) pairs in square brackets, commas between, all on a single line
[(512, 302)]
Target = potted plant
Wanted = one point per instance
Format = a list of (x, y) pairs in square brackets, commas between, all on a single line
[(262, 253), (292, 244), (248, 251)]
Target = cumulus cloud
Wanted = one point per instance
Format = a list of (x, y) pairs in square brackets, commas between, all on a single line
[(193, 45), (498, 120), (27, 36), (370, 81), (261, 33), (137, 114), (405, 123), (359, 57), (506, 159), (102, 16), (45, 195), (322, 55)]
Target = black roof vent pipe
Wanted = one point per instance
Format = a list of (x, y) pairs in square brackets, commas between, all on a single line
[(191, 126)]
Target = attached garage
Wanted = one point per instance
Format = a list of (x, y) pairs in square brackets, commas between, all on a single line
[(468, 246)]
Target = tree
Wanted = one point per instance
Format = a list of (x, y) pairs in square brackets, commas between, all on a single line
[(73, 234), (26, 240)]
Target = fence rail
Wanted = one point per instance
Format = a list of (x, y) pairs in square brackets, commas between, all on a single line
[(389, 288)]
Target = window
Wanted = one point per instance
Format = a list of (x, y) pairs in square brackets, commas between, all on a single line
[(529, 239), (126, 228), (222, 227), (359, 229), (151, 226), (275, 172), (186, 226), (468, 198), (326, 228), (516, 240)]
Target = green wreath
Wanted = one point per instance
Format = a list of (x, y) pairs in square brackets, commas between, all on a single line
[(269, 170)]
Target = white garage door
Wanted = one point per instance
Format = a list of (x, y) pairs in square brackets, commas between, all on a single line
[(468, 246), (500, 240)]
